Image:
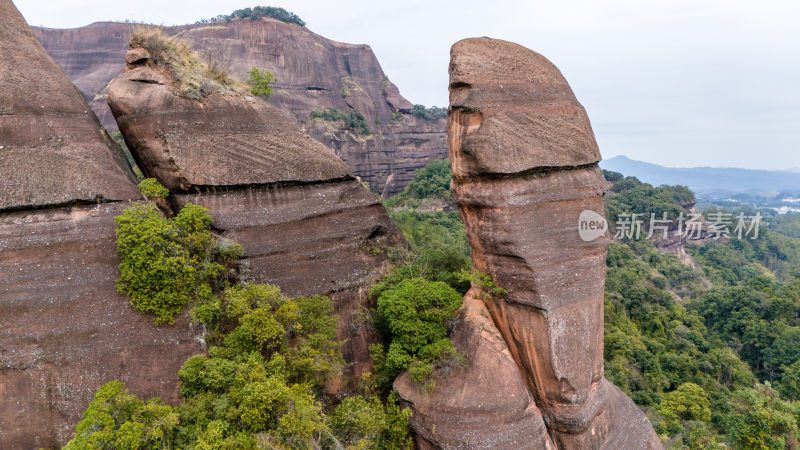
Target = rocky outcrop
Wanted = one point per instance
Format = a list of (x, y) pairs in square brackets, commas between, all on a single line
[(305, 222), (313, 73), (524, 165), (484, 405), (64, 330)]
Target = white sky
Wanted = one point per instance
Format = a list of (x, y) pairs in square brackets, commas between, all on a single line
[(678, 83)]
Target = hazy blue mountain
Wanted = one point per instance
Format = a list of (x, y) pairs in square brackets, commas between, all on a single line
[(711, 181)]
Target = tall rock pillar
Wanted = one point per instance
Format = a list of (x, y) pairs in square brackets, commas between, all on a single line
[(524, 169)]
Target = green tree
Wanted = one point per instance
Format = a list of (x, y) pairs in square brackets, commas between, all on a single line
[(260, 82)]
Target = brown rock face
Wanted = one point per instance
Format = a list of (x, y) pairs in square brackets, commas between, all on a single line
[(524, 168), (64, 330), (306, 224), (485, 405), (313, 73)]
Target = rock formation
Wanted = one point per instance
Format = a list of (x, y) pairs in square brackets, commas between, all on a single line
[(524, 162), (64, 330), (312, 73), (305, 222)]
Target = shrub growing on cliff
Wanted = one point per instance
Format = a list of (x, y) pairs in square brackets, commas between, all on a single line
[(261, 82), (413, 314), (152, 189), (166, 263), (354, 120)]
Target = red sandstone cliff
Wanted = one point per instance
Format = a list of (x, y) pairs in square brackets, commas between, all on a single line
[(305, 222), (313, 73), (64, 330), (524, 162)]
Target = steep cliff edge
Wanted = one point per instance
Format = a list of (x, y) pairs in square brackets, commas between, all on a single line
[(305, 222), (64, 330), (524, 163), (313, 73)]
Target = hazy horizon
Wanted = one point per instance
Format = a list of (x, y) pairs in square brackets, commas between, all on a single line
[(682, 84)]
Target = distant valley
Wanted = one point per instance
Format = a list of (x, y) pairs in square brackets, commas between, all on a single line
[(761, 188)]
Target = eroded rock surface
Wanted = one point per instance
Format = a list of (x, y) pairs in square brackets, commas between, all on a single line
[(524, 165), (484, 405), (312, 73), (305, 222), (64, 330)]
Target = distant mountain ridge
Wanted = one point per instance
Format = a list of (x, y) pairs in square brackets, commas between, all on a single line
[(710, 181)]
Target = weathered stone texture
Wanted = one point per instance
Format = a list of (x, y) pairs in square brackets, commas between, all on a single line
[(306, 224), (312, 73), (64, 330), (524, 168)]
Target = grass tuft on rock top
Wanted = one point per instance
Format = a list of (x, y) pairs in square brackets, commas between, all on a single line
[(196, 75)]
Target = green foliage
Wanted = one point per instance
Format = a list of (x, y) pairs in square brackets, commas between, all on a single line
[(259, 386), (631, 196), (759, 419), (260, 82), (363, 422), (430, 182), (440, 251), (688, 402), (152, 189), (413, 314), (353, 119), (432, 113), (116, 419), (166, 263), (259, 12)]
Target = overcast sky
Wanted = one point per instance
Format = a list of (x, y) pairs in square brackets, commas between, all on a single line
[(679, 83)]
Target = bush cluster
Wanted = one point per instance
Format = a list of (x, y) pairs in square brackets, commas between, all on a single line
[(354, 120), (166, 263), (432, 113), (152, 189), (259, 386), (413, 315), (257, 13), (260, 82)]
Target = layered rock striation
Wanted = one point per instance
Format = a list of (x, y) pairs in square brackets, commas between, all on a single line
[(64, 330), (524, 163), (305, 222), (312, 72)]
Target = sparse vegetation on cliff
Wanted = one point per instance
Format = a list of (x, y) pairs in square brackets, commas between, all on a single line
[(258, 12), (352, 119), (152, 189), (195, 75), (260, 82), (166, 263), (432, 113)]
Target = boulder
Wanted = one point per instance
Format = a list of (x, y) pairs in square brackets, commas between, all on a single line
[(312, 73), (305, 222)]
